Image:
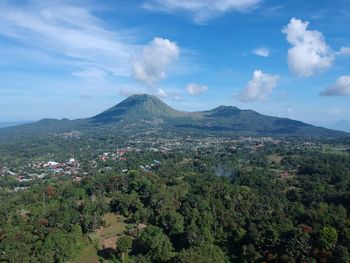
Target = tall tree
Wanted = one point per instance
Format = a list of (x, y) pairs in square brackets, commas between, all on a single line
[(124, 245)]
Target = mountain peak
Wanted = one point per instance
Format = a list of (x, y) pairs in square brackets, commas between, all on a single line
[(142, 96), (144, 110), (138, 107)]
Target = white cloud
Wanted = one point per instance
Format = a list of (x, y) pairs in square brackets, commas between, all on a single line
[(202, 10), (310, 52), (262, 52), (259, 88), (340, 88), (70, 31), (69, 35), (176, 97), (161, 93), (151, 64), (344, 51), (196, 89)]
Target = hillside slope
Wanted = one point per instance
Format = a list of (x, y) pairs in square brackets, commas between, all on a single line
[(147, 111)]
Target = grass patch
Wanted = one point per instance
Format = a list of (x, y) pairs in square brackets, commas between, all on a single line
[(104, 238), (274, 158), (87, 255), (114, 227)]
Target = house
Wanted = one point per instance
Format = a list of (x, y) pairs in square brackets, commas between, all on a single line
[(77, 179), (51, 164), (17, 189)]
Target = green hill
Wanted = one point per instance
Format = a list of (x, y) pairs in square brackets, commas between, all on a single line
[(147, 111), (138, 107)]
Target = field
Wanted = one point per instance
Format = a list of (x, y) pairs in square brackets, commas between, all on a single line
[(103, 242)]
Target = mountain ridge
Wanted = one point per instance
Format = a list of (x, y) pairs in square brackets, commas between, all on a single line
[(147, 110), (342, 125)]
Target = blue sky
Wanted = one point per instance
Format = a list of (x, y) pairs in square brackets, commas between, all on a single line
[(77, 58)]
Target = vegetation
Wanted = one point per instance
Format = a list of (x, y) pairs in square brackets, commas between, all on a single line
[(156, 195), (124, 245), (282, 202)]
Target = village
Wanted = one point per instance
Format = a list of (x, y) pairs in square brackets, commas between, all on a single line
[(117, 158)]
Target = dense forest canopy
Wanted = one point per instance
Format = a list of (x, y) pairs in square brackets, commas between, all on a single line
[(184, 199)]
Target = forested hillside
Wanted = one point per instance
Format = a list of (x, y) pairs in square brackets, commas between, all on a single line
[(218, 200)]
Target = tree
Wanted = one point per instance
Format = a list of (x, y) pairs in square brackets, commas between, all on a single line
[(57, 246), (172, 222), (249, 254), (198, 236), (328, 237), (341, 254), (296, 244), (157, 244), (124, 245), (205, 254)]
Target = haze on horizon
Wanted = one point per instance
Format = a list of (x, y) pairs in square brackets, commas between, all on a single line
[(74, 59)]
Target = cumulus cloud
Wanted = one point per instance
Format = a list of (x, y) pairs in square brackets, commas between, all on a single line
[(259, 88), (202, 10), (151, 64), (340, 88), (195, 89), (262, 52), (344, 51), (309, 53)]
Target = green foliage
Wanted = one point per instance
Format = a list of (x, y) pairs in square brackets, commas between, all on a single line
[(341, 254), (213, 200), (204, 254), (157, 245), (124, 244), (328, 237)]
